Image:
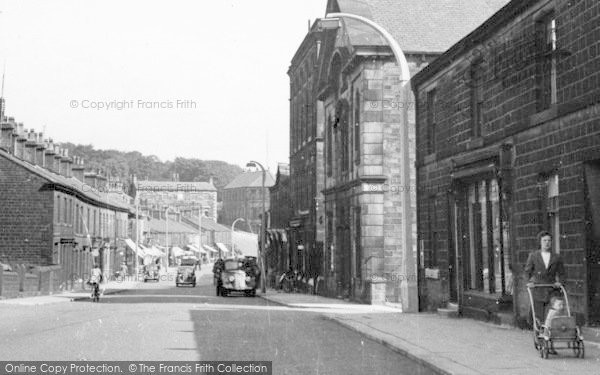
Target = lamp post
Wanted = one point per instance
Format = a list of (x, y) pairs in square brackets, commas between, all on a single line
[(232, 230), (167, 234), (408, 285), (263, 284)]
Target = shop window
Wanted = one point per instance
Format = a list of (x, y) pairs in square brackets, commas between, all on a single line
[(487, 263)]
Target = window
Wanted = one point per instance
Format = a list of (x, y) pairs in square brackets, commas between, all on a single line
[(329, 146), (476, 99), (357, 242), (57, 210), (357, 128), (65, 211), (431, 125), (552, 210), (343, 125), (546, 70), (431, 257), (486, 263)]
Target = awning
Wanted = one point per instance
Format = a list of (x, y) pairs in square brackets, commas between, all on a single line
[(153, 251), (194, 248), (222, 247), (177, 251), (136, 249), (210, 249)]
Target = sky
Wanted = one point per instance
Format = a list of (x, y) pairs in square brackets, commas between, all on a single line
[(179, 78)]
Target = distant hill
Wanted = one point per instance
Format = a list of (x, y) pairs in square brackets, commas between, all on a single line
[(126, 164)]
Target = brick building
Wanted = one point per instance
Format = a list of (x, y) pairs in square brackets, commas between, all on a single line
[(242, 197), (279, 258), (508, 144), (182, 197), (307, 229), (361, 114), (51, 213)]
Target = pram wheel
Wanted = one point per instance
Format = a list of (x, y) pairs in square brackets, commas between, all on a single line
[(579, 349), (544, 349)]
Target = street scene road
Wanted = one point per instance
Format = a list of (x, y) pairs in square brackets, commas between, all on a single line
[(158, 321)]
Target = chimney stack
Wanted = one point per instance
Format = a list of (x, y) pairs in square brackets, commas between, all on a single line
[(78, 169), (39, 150), (49, 156), (30, 146), (65, 163), (6, 136), (57, 157), (21, 139), (90, 179)]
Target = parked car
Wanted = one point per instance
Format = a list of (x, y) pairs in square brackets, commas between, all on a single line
[(151, 272), (236, 275), (186, 272)]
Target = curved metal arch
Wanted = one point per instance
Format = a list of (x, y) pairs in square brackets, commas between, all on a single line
[(400, 58)]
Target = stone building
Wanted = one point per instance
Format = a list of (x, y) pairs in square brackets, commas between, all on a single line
[(508, 144), (361, 112), (242, 197), (52, 213)]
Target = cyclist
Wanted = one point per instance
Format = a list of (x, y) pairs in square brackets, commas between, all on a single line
[(95, 280)]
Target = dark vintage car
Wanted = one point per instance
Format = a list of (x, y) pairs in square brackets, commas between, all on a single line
[(236, 275), (151, 272), (186, 272)]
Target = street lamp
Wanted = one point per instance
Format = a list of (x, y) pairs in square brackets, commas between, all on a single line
[(232, 230), (167, 234), (263, 284), (408, 285)]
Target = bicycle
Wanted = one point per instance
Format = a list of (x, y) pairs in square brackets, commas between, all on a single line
[(95, 292)]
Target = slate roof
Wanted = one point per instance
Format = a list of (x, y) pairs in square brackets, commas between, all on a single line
[(174, 186), (419, 26), (73, 185), (209, 224), (251, 179), (160, 226)]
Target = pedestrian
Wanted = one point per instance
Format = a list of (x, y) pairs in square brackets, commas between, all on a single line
[(544, 267)]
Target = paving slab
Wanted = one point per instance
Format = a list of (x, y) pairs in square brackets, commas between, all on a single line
[(447, 345)]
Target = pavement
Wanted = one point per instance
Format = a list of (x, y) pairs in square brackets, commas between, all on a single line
[(446, 345)]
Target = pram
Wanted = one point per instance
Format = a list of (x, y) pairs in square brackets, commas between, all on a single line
[(561, 329)]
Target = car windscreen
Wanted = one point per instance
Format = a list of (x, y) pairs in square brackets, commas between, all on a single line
[(231, 265), (188, 262)]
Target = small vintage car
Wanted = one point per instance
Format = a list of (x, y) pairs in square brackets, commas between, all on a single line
[(236, 275), (151, 272), (186, 272)]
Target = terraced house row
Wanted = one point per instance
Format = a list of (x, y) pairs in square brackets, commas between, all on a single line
[(54, 214)]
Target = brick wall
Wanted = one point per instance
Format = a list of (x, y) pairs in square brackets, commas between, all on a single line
[(558, 140), (26, 216), (26, 282)]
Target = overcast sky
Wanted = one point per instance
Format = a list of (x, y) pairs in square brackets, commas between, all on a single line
[(218, 69)]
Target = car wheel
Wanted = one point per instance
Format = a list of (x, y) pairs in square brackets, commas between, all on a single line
[(224, 292), (253, 293)]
